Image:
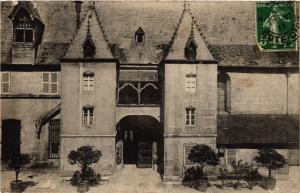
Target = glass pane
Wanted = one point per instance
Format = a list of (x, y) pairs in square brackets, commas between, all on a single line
[(45, 88), (54, 88), (193, 122), (28, 35), (5, 87), (19, 35), (53, 77), (45, 77), (28, 25), (20, 25), (5, 77)]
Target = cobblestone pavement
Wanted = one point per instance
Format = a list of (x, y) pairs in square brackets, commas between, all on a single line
[(131, 180)]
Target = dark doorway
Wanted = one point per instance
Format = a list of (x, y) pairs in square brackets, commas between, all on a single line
[(142, 140), (11, 138)]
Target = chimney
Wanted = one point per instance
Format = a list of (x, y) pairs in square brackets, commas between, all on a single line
[(78, 10)]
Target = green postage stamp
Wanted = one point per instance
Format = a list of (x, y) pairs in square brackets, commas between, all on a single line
[(276, 25)]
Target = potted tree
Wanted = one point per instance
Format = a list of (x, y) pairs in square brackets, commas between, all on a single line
[(17, 163), (272, 160), (84, 157), (203, 156)]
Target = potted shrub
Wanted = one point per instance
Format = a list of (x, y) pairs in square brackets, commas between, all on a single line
[(17, 163), (272, 160), (203, 156), (238, 171), (84, 157)]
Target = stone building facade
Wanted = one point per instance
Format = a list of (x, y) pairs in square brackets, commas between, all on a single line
[(146, 89)]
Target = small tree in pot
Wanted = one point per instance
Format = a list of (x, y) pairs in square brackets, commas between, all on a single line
[(272, 160), (203, 156), (17, 163), (84, 157)]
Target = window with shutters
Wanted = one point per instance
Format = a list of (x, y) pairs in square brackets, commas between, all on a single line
[(190, 116), (190, 83), (231, 156), (5, 83), (50, 83), (87, 116), (88, 81), (187, 151)]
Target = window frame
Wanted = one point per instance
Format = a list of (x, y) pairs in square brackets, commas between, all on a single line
[(185, 156), (26, 26), (190, 112), (5, 82), (88, 78), (88, 117), (50, 83), (191, 83)]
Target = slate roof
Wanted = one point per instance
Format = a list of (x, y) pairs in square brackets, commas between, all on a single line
[(227, 27), (51, 52), (250, 131)]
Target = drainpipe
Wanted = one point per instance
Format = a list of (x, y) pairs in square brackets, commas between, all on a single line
[(78, 10), (287, 75)]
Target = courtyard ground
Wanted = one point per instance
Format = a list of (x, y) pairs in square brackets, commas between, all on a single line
[(131, 180)]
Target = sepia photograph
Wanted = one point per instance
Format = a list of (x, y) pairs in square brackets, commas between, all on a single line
[(149, 96)]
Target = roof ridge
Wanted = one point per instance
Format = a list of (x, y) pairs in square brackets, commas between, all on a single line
[(103, 31), (171, 42), (70, 43)]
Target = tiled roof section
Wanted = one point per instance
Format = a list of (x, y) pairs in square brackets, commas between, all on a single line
[(249, 55), (51, 52), (138, 75), (28, 6), (242, 130), (224, 25)]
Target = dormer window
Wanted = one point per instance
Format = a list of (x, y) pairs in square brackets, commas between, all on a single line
[(24, 30), (191, 49), (27, 23), (28, 30), (139, 36)]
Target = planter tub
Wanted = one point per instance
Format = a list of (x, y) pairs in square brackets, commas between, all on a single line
[(83, 187), (270, 183), (16, 186)]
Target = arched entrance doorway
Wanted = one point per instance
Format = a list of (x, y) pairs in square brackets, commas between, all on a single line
[(139, 141)]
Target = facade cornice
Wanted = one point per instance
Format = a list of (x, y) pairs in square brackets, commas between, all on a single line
[(30, 68)]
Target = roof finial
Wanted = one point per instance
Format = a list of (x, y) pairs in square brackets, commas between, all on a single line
[(192, 30), (187, 6), (89, 48), (88, 32)]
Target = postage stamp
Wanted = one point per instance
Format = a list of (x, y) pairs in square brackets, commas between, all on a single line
[(276, 26)]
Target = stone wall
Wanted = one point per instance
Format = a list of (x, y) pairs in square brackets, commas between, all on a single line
[(257, 93), (176, 100), (101, 134), (29, 83), (28, 111)]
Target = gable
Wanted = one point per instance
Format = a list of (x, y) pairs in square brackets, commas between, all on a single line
[(185, 32), (91, 24)]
